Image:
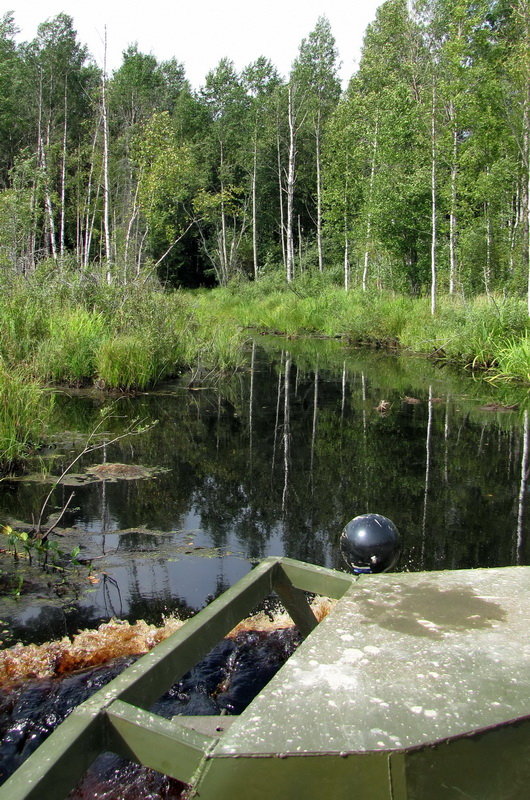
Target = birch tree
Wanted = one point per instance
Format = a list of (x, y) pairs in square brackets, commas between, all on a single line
[(61, 80), (261, 80), (227, 102), (315, 72)]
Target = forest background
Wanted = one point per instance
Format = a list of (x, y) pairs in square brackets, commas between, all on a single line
[(417, 173), (397, 210)]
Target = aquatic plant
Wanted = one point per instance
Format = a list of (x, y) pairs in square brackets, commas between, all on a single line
[(47, 553)]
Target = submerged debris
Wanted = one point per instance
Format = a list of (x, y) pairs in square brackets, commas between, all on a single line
[(383, 407), (123, 472), (94, 474), (499, 407)]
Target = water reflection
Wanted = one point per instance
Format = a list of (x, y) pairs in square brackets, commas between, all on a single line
[(275, 461)]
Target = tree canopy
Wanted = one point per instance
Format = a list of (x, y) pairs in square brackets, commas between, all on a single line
[(415, 178)]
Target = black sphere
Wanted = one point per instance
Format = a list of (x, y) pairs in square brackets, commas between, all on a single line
[(370, 543)]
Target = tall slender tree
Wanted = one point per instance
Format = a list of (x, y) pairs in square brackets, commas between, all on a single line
[(315, 71), (261, 80)]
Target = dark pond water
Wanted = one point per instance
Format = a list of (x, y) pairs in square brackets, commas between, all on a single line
[(268, 461)]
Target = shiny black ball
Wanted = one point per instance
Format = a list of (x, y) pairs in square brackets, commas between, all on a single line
[(370, 543)]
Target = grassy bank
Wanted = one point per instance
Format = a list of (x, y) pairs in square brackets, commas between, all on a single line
[(117, 338), (24, 414), (131, 338), (53, 333), (484, 333)]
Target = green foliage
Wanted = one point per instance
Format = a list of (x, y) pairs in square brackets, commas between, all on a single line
[(198, 181), (24, 414), (513, 360), (168, 176), (124, 362), (69, 351), (45, 552)]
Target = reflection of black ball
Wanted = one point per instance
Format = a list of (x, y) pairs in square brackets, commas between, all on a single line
[(370, 543)]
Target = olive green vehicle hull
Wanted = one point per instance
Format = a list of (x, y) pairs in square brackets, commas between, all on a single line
[(416, 686)]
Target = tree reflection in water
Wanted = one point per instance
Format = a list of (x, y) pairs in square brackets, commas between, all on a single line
[(275, 460)]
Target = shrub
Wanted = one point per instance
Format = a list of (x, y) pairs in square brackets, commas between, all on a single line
[(125, 362), (513, 360)]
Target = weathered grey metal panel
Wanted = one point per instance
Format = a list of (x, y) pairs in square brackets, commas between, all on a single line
[(402, 660), (404, 692)]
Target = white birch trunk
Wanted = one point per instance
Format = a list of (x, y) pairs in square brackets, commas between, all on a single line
[(255, 207), (346, 261), (89, 222), (319, 196), (452, 209), (487, 263), (63, 175), (280, 189), (369, 216), (528, 200), (106, 195), (433, 200), (48, 201), (527, 187), (290, 190), (223, 254), (132, 219), (300, 249)]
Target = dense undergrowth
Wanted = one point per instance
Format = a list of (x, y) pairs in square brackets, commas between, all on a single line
[(487, 333), (128, 338), (115, 338)]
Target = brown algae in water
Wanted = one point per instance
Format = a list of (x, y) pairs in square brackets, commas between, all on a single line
[(114, 639)]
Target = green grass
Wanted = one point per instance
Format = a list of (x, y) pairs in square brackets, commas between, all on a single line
[(131, 338), (25, 410), (125, 362), (68, 353), (513, 360), (470, 333)]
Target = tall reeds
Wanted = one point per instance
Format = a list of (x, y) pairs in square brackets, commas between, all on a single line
[(25, 409)]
